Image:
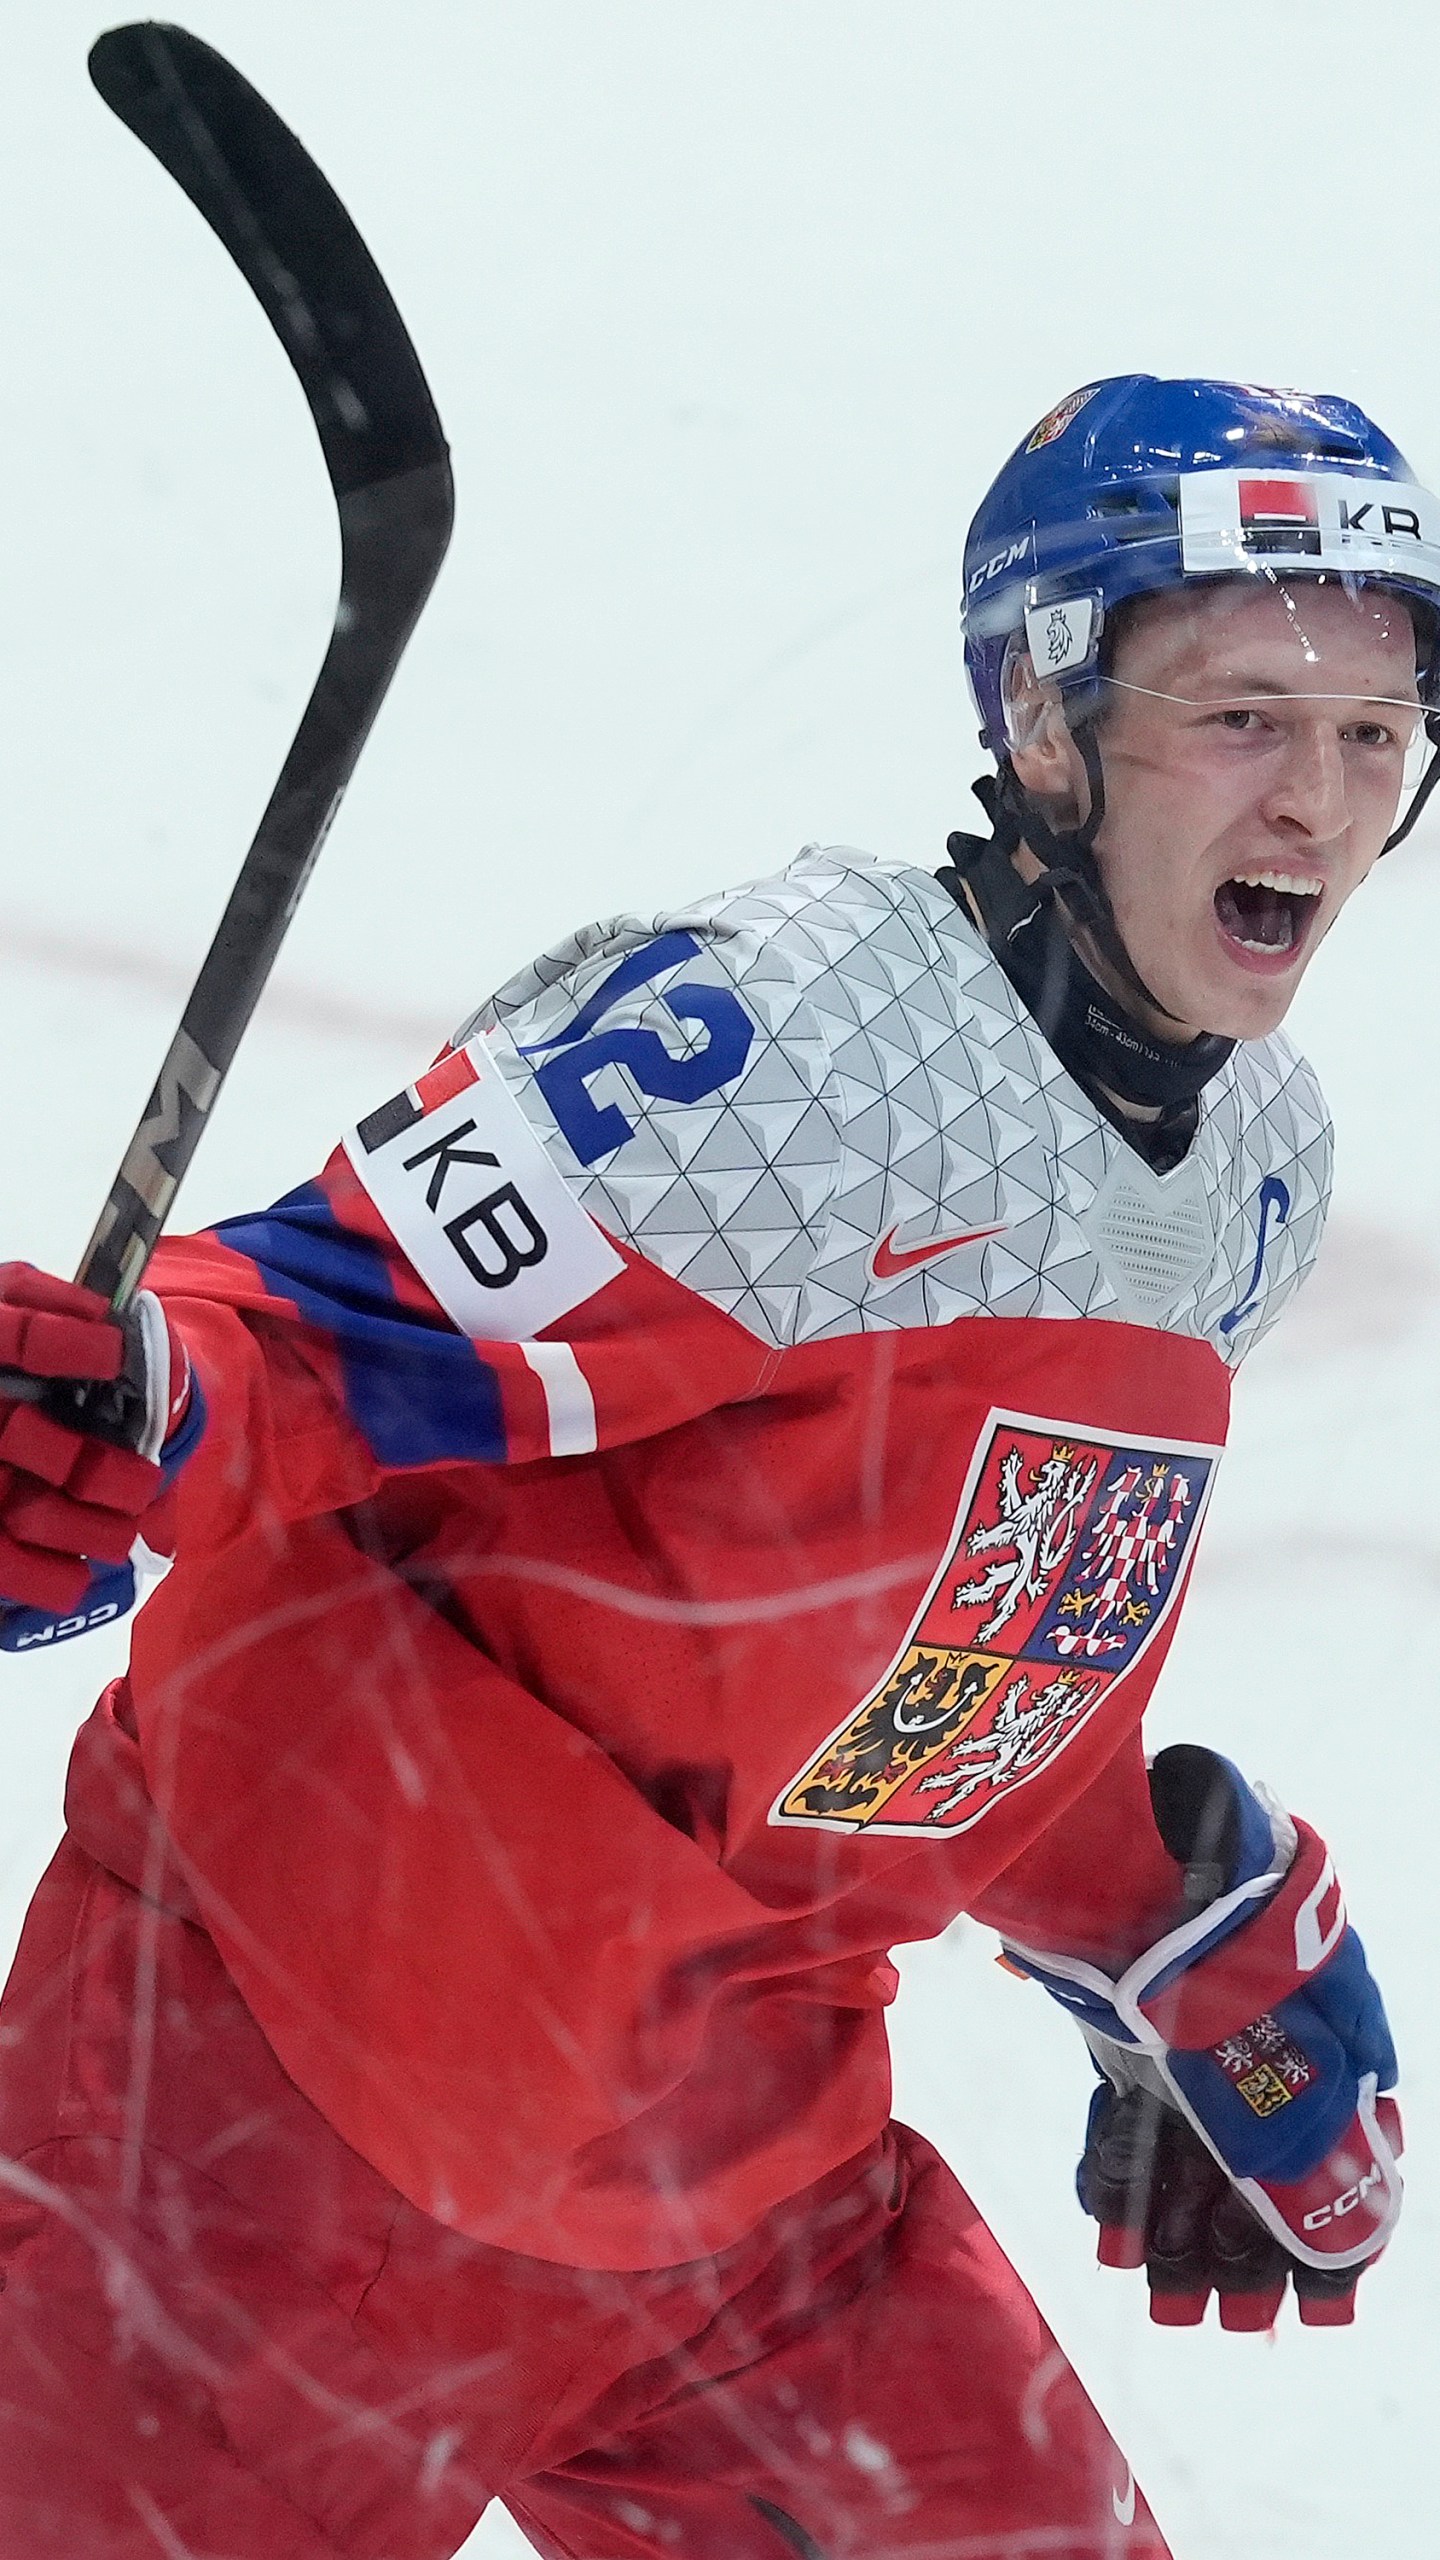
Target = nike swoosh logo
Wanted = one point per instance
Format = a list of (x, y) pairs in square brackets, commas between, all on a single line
[(1124, 2502), (887, 1261)]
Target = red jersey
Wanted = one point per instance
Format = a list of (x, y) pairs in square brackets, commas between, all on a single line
[(696, 1493)]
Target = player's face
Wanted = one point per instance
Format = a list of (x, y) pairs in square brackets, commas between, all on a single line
[(1243, 810), (1254, 743)]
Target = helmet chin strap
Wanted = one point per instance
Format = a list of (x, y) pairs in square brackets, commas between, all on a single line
[(1096, 1034), (1069, 872)]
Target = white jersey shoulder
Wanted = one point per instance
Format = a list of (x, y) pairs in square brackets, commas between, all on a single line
[(818, 1101)]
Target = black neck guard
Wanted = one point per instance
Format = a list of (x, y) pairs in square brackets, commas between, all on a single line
[(1099, 1044)]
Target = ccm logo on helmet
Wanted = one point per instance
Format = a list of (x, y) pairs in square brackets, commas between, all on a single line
[(998, 563), (1325, 2214)]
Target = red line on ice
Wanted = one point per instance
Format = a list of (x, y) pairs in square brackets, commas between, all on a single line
[(318, 1010)]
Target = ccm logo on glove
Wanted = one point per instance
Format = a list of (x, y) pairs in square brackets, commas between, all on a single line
[(1319, 1922), (1325, 2214)]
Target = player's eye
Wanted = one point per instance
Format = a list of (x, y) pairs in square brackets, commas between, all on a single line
[(1239, 718), (1371, 733)]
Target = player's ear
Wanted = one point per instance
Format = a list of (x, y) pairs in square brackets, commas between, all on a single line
[(1047, 762)]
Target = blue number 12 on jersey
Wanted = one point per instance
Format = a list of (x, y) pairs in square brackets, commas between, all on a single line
[(594, 1129)]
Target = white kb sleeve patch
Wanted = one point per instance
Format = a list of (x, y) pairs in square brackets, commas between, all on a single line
[(470, 1195)]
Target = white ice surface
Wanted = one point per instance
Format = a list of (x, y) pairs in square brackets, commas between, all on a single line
[(731, 312)]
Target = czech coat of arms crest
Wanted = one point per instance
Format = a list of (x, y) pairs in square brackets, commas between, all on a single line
[(1067, 1556)]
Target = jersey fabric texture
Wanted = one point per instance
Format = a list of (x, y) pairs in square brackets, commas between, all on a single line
[(697, 1492), (275, 2357)]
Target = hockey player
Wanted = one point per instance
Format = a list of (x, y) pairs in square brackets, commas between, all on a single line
[(697, 1492)]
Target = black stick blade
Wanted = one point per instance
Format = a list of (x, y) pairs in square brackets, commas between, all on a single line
[(288, 232)]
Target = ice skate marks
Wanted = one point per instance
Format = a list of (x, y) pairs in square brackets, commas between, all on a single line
[(1068, 1554)]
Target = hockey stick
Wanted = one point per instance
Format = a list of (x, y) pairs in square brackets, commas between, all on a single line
[(302, 256)]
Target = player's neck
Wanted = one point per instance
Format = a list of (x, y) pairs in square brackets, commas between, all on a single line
[(1148, 1091), (1157, 1026)]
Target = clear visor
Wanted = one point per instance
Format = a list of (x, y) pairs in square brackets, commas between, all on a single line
[(1263, 667), (1388, 727)]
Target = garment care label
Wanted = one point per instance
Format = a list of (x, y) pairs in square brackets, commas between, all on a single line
[(467, 1190)]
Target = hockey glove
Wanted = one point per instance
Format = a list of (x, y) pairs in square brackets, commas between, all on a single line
[(82, 1469), (1249, 2042), (1162, 2202)]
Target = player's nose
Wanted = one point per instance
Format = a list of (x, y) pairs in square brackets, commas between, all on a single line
[(1308, 791)]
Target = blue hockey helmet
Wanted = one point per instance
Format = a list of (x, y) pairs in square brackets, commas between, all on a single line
[(1135, 485)]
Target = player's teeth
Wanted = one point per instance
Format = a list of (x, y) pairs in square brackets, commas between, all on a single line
[(1283, 880)]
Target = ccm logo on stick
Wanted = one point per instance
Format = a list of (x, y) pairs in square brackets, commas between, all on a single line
[(469, 1193)]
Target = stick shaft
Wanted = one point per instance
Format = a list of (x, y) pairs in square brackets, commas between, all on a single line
[(385, 452), (393, 542)]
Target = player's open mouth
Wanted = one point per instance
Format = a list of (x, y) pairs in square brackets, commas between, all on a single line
[(1266, 915)]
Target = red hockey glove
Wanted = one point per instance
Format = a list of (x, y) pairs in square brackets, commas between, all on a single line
[(1254, 2029), (81, 1469), (1164, 2203)]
